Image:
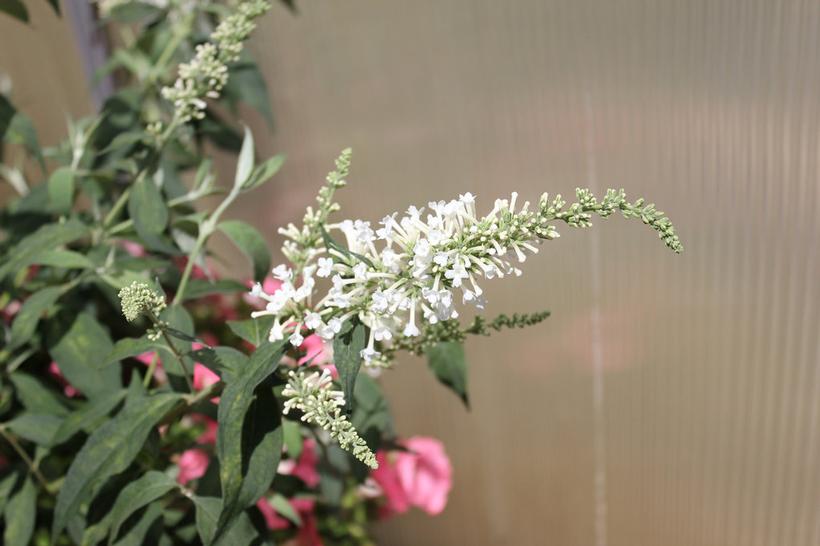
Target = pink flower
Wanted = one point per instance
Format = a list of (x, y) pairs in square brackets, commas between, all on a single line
[(203, 377), (308, 532), (421, 476), (388, 479), (54, 371), (10, 310), (192, 465), (209, 436), (304, 467), (134, 249)]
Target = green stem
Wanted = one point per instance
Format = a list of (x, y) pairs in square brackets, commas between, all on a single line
[(23, 455), (205, 230), (151, 368)]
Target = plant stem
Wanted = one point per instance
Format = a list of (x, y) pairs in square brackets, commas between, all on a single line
[(23, 455), (205, 230)]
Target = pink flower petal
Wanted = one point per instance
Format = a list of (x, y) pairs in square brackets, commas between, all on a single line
[(192, 465)]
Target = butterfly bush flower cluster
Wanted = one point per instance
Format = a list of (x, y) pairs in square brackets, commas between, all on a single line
[(207, 73), (410, 272), (320, 404)]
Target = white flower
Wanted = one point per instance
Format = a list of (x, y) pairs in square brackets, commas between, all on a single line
[(325, 267), (282, 273), (296, 338), (329, 330), (276, 332), (313, 320)]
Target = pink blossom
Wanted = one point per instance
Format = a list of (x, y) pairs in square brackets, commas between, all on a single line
[(421, 476), (308, 534), (209, 435), (388, 479), (134, 249), (10, 310), (304, 467), (192, 465), (68, 390)]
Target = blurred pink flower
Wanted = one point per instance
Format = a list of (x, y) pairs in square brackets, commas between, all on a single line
[(421, 476), (304, 467), (134, 249), (308, 534), (10, 310), (192, 465), (388, 479), (209, 435), (68, 390), (203, 376)]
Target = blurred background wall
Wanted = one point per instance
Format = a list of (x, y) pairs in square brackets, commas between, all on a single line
[(669, 400)]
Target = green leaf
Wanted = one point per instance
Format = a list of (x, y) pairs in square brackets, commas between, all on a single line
[(446, 359), (254, 331), (15, 8), (44, 239), (179, 321), (251, 243), (264, 172), (80, 353), (285, 508), (20, 514), (89, 417), (347, 349), (150, 522), (151, 486), (67, 259), (109, 451), (36, 397), (247, 448), (246, 84), (199, 288), (332, 244), (244, 165), (21, 131), (29, 315), (39, 428), (6, 485), (147, 208), (128, 347), (208, 509), (55, 5), (292, 435), (61, 189)]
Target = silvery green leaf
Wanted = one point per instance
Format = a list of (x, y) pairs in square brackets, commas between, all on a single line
[(245, 163)]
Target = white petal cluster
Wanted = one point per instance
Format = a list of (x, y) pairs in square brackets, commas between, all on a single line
[(408, 269), (311, 393), (207, 73)]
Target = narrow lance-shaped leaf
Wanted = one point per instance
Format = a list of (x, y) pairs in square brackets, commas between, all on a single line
[(87, 418), (109, 451), (447, 361), (245, 163), (147, 208), (20, 514), (208, 509), (29, 315), (61, 189), (237, 446), (347, 349), (48, 237), (251, 243), (148, 488), (80, 352), (264, 172)]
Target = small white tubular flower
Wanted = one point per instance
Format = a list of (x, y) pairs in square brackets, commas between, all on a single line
[(325, 267), (408, 272), (296, 339), (320, 404)]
